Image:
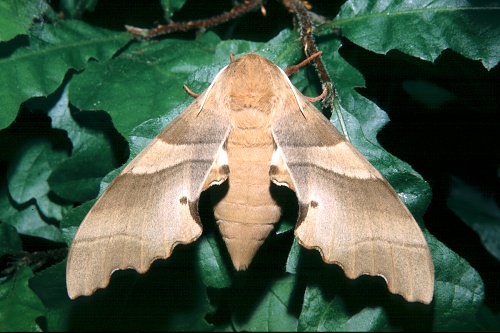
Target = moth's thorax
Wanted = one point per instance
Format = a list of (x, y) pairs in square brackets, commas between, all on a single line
[(257, 101), (253, 82), (250, 127), (250, 117)]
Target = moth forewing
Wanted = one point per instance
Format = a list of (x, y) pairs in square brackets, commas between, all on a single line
[(151, 206), (349, 212)]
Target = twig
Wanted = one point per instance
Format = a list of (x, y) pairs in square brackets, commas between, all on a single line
[(306, 29), (236, 11), (35, 260)]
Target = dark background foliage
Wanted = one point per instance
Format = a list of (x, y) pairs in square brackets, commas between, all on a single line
[(444, 122)]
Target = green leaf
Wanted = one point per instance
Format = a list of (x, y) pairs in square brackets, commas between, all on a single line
[(286, 224), (91, 159), (10, 242), (38, 69), (28, 174), (19, 305), (27, 220), (50, 286), (479, 212), (458, 289), (144, 83), (292, 263), (272, 311), (16, 16), (322, 315), (213, 269), (71, 220), (424, 28)]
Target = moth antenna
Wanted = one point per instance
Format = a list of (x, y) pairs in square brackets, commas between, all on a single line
[(231, 56), (295, 68), (190, 92)]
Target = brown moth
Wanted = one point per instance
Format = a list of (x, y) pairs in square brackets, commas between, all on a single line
[(251, 128)]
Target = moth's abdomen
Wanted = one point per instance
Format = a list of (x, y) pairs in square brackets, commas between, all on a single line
[(247, 211)]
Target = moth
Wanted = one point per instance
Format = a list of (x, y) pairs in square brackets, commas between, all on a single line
[(250, 129)]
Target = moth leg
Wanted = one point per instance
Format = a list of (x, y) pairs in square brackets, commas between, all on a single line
[(318, 98), (295, 68), (190, 92)]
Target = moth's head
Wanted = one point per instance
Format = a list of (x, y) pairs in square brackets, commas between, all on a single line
[(252, 81)]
